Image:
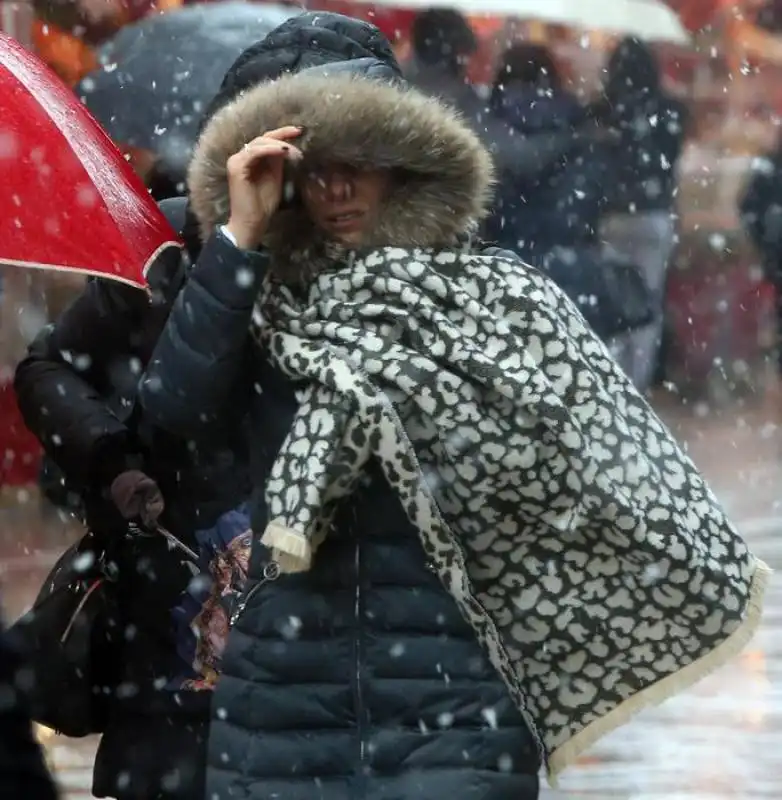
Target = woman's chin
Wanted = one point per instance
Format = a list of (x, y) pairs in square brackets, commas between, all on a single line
[(349, 238)]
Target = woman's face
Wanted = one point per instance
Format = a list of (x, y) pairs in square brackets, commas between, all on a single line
[(344, 202)]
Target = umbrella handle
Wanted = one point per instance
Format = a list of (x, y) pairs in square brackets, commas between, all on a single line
[(175, 542), (172, 540)]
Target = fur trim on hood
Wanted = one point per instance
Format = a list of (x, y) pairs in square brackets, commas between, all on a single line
[(447, 173)]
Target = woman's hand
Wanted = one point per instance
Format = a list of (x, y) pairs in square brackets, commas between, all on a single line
[(255, 184)]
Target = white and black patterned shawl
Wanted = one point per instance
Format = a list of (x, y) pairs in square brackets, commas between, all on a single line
[(583, 546)]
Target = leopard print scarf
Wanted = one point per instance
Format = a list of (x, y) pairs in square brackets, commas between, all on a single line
[(595, 565)]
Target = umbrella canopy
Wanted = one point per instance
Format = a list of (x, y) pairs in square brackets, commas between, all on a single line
[(652, 20), (158, 75), (71, 202)]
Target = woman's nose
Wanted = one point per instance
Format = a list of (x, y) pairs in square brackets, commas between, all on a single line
[(338, 186)]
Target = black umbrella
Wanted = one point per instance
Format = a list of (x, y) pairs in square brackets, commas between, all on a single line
[(159, 75)]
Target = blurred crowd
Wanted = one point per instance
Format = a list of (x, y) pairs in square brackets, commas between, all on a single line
[(603, 169)]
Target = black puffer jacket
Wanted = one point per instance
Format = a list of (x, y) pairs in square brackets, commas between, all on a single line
[(561, 206), (357, 680), (77, 389)]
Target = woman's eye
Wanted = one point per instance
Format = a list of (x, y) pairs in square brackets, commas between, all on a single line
[(317, 179)]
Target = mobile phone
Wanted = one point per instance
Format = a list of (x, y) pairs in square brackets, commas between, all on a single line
[(289, 193)]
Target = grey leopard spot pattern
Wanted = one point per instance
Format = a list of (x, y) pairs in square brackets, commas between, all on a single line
[(578, 539)]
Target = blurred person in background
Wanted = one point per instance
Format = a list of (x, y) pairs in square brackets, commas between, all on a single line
[(23, 771), (560, 206), (551, 162), (640, 221), (66, 53), (551, 218), (442, 42), (66, 33), (760, 209), (77, 392)]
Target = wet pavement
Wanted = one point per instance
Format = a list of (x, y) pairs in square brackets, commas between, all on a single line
[(719, 741)]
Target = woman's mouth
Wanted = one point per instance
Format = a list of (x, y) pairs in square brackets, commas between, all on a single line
[(346, 221)]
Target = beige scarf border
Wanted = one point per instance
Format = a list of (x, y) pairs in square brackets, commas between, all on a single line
[(568, 754)]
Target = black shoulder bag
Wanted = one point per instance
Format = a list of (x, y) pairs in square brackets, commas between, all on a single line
[(68, 641), (70, 638)]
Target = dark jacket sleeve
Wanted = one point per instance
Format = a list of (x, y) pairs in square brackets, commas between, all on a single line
[(23, 772), (61, 384), (200, 369)]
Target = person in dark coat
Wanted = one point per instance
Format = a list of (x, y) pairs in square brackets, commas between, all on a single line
[(442, 42), (561, 206), (358, 678), (760, 209), (552, 219), (23, 771), (640, 219), (651, 127), (77, 390)]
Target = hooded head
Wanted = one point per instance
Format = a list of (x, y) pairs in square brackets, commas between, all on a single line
[(423, 171), (308, 40), (442, 37), (528, 65), (633, 73), (528, 91)]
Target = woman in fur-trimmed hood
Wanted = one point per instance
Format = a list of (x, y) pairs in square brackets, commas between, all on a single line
[(359, 680), (454, 481)]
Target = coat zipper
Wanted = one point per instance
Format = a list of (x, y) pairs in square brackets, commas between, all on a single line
[(270, 573), (359, 676)]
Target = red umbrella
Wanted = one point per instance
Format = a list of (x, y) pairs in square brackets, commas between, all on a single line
[(68, 199)]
